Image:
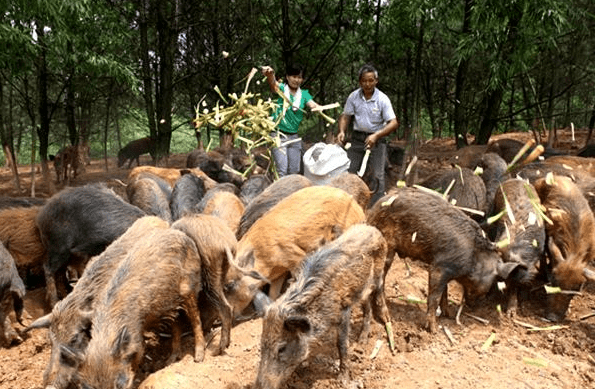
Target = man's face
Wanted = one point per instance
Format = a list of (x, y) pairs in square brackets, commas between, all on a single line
[(295, 81), (368, 82)]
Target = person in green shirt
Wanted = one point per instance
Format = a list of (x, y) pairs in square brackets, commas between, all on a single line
[(287, 156)]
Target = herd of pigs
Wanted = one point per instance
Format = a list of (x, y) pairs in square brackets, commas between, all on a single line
[(208, 245)]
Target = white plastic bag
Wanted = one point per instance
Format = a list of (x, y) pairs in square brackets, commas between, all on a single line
[(324, 161)]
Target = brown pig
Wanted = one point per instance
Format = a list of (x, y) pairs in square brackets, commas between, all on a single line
[(330, 283), (302, 222), (570, 240), (216, 245), (225, 205), (160, 274), (70, 321)]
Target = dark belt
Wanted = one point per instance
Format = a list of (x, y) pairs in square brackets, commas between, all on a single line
[(360, 135)]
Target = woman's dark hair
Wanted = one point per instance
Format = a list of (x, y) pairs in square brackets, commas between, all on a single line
[(294, 69)]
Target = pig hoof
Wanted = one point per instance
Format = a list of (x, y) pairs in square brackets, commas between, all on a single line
[(356, 384), (199, 355)]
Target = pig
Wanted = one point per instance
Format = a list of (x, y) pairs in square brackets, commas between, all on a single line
[(216, 245), (494, 172), (133, 150), (570, 239), (12, 292), (171, 175), (186, 196), (217, 164), (277, 243), (151, 194), (80, 221), (253, 187), (571, 162), (20, 236), (353, 185), (580, 176), (526, 235), (468, 156), (160, 274), (225, 205), (12, 202), (69, 322), (268, 198), (331, 281), (425, 227), (466, 189), (71, 161)]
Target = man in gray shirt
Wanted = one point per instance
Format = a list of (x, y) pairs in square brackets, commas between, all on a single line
[(374, 119)]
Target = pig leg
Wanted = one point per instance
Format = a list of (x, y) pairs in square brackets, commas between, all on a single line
[(512, 292), (51, 290), (224, 309), (366, 315), (437, 284), (176, 337), (343, 337), (190, 305)]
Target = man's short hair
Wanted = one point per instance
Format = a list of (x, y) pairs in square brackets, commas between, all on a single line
[(294, 69), (368, 68)]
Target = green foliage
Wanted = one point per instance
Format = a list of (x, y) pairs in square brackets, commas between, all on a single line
[(540, 54)]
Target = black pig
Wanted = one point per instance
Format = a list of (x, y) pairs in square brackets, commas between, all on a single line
[(81, 221), (12, 292), (424, 226)]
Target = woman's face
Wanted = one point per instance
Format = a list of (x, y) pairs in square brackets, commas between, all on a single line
[(295, 81), (368, 82)]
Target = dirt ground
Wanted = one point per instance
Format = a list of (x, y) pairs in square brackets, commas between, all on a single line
[(519, 356)]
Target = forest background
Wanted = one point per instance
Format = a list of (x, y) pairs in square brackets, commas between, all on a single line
[(105, 72)]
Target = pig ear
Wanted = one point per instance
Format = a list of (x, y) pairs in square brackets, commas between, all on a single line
[(504, 269), (42, 322), (121, 343), (261, 301), (297, 324), (555, 253)]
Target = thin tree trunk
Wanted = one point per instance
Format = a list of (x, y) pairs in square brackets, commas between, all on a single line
[(44, 113), (459, 120), (146, 71)]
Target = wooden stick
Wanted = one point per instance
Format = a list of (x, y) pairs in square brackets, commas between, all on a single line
[(481, 320), (449, 335), (584, 317)]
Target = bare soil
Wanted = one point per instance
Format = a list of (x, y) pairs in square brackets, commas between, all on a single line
[(518, 358)]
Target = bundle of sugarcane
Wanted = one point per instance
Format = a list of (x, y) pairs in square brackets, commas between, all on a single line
[(242, 116)]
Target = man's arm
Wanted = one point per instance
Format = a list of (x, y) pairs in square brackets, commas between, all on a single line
[(373, 138)]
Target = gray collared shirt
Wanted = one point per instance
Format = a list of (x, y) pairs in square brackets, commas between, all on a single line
[(369, 115)]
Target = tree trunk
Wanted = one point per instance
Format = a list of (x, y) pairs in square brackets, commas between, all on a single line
[(146, 72), (44, 114), (459, 121), (166, 37), (490, 116), (6, 135)]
